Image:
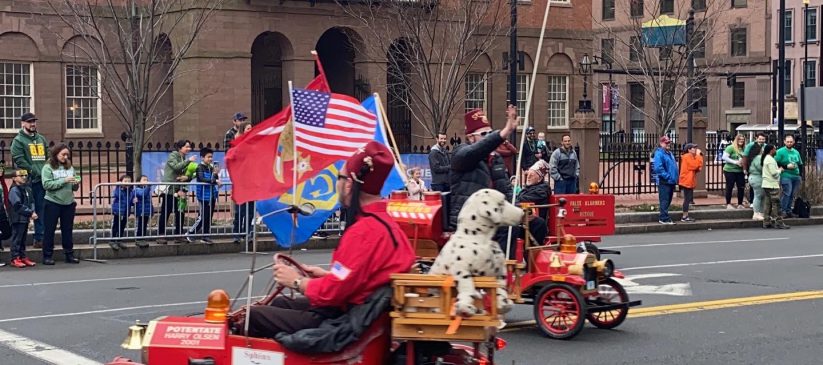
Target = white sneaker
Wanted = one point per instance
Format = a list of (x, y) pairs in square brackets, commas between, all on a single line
[(729, 206), (741, 206), (757, 217)]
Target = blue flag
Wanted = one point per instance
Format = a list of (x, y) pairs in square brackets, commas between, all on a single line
[(321, 192), (395, 180)]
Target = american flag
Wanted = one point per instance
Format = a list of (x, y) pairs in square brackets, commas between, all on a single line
[(331, 124)]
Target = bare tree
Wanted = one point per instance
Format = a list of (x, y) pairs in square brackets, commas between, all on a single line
[(430, 47), (129, 42), (662, 72)]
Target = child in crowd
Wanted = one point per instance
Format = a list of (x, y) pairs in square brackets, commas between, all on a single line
[(415, 185), (22, 212), (691, 162), (120, 211), (141, 198), (206, 194)]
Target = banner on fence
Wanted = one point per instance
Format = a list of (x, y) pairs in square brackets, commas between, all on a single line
[(154, 162)]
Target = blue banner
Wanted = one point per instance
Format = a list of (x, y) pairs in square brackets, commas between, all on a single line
[(154, 162)]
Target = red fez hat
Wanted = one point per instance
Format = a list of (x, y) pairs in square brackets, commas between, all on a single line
[(474, 120), (370, 166)]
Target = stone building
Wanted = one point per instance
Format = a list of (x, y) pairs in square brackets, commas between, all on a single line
[(736, 36), (248, 53), (802, 30)]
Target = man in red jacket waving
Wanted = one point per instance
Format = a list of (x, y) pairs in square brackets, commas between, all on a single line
[(371, 249)]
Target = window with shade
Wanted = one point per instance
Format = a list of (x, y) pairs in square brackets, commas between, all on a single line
[(787, 81), (558, 101), (475, 91), (810, 68), (522, 85), (666, 6), (738, 38), (608, 9), (788, 26), (82, 98), (811, 25), (739, 95), (637, 8), (607, 50), (15, 94)]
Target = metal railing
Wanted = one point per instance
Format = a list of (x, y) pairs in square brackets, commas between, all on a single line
[(159, 226)]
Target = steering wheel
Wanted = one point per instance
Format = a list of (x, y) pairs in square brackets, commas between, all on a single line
[(274, 289)]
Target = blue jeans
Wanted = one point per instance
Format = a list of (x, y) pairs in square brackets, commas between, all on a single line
[(790, 186), (565, 186), (665, 192), (39, 202)]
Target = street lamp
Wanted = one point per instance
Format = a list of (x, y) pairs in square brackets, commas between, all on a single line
[(803, 82), (608, 63), (585, 104)]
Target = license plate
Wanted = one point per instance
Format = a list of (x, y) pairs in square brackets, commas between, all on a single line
[(590, 285)]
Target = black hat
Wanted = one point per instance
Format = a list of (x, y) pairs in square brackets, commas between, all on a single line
[(240, 116), (28, 117)]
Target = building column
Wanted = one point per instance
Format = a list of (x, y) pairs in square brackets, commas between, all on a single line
[(585, 131), (699, 138)]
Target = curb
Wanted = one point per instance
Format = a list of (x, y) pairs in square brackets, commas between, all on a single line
[(707, 215), (707, 225), (105, 252)]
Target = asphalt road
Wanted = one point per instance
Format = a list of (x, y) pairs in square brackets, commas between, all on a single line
[(84, 310)]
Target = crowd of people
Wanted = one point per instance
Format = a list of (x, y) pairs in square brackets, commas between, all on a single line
[(771, 173), (44, 183), (487, 159)]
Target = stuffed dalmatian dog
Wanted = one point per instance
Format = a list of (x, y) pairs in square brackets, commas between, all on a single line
[(471, 251)]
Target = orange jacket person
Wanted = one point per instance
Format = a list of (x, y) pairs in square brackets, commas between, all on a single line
[(371, 249), (691, 162)]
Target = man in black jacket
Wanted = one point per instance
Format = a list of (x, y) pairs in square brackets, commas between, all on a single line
[(475, 166), (439, 164), (532, 150)]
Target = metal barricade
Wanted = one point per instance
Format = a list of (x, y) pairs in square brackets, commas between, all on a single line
[(158, 206)]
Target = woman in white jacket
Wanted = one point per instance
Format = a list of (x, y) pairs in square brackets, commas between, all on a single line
[(415, 185)]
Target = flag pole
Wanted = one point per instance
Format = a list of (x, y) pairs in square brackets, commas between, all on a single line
[(387, 128), (319, 65), (294, 165), (529, 97)]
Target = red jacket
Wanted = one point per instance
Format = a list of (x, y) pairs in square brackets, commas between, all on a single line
[(363, 261)]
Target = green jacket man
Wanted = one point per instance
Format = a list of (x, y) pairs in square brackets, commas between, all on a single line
[(29, 151)]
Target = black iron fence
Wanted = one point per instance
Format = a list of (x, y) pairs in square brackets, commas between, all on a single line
[(96, 162), (625, 161)]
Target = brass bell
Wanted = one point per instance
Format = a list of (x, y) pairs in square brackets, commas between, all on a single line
[(134, 340)]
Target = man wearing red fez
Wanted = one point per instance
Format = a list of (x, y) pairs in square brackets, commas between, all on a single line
[(475, 165), (371, 249)]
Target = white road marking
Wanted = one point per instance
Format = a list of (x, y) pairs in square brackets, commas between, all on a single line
[(130, 278), (42, 351), (650, 276), (722, 262), (697, 243), (676, 289), (240, 302)]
